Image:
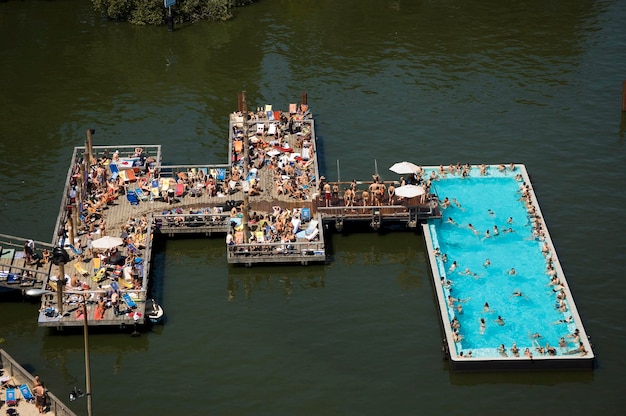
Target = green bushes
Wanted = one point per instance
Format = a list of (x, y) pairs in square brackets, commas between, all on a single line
[(153, 12)]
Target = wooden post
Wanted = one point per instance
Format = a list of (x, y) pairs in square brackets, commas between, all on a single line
[(624, 96), (304, 99), (89, 146), (60, 283)]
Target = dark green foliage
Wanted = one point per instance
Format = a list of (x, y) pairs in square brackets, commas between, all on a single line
[(153, 12)]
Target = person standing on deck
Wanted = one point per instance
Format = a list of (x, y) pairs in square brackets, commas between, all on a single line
[(327, 193), (29, 251)]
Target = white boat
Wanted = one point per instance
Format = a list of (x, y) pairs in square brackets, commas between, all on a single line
[(154, 311)]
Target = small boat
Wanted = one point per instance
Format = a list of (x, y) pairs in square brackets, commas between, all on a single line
[(154, 311)]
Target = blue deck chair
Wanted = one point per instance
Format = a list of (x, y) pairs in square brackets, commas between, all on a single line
[(77, 251), (115, 171), (132, 198), (129, 301), (10, 398), (140, 194), (131, 248), (221, 174), (26, 393), (305, 214)]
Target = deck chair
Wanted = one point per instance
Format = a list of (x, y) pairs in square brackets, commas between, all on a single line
[(100, 275), (96, 264), (128, 301), (293, 108), (305, 214), (132, 198), (10, 398), (221, 174), (180, 189), (128, 175), (141, 195), (78, 251), (131, 248), (115, 171), (80, 268), (272, 130), (154, 189), (26, 393), (238, 146), (260, 129)]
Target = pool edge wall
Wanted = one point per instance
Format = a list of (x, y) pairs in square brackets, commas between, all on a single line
[(498, 363)]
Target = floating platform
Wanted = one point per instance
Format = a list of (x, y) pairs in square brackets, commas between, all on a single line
[(548, 316)]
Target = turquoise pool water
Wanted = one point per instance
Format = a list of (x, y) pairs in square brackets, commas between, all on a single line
[(485, 202)]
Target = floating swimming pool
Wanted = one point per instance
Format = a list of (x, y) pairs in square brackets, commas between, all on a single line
[(503, 297)]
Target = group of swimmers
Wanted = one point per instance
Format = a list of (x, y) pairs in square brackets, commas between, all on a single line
[(538, 233)]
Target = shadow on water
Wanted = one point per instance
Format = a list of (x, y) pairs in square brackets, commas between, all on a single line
[(547, 378)]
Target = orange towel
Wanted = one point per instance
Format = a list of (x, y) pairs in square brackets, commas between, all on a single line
[(238, 146)]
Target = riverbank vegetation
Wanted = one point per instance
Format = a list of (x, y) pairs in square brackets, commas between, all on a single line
[(153, 12)]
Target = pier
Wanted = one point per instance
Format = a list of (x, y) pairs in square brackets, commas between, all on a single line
[(269, 202)]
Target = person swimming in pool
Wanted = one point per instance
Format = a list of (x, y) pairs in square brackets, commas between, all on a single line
[(499, 321), (538, 347), (483, 325), (468, 272), (515, 350), (471, 227), (518, 294), (451, 221), (487, 234), (495, 230), (562, 343), (564, 321), (535, 335), (502, 350), (456, 203), (491, 212), (528, 354), (452, 267), (444, 258), (509, 220), (486, 307), (512, 272), (487, 263)]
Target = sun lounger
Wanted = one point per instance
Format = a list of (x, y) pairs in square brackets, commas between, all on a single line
[(305, 214), (10, 398), (141, 195), (128, 175), (272, 130), (80, 268), (129, 301), (26, 393), (100, 275), (77, 251), (13, 278), (180, 189), (293, 108), (260, 129), (115, 171), (132, 198), (221, 174), (238, 146)]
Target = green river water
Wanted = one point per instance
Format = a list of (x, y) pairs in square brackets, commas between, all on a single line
[(433, 82)]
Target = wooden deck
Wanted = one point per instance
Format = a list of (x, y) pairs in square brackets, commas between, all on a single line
[(15, 272), (282, 179)]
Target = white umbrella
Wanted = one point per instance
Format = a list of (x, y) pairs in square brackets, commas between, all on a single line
[(410, 191), (404, 168), (107, 242)]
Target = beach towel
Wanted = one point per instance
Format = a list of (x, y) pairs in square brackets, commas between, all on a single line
[(26, 393), (99, 313)]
